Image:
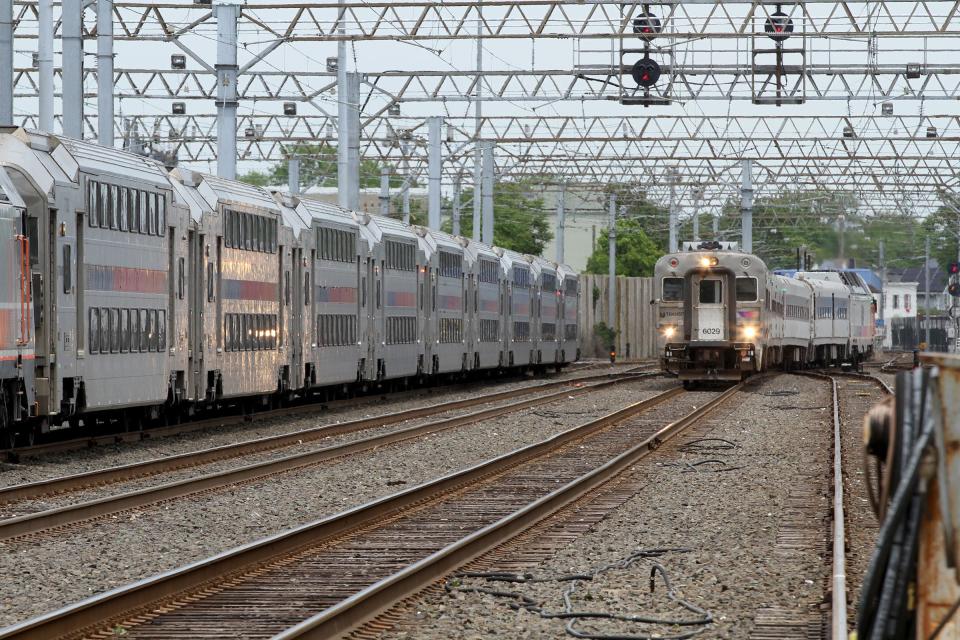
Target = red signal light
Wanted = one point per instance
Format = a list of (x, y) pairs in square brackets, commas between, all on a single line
[(646, 72), (954, 268), (778, 26)]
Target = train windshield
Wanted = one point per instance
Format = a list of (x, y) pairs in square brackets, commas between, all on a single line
[(711, 292), (672, 289), (746, 289)]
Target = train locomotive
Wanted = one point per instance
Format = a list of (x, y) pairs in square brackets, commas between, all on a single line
[(138, 295), (723, 315)]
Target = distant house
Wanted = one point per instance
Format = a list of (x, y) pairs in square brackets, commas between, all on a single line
[(939, 280)]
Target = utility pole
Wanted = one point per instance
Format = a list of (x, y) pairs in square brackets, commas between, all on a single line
[(384, 191), (612, 267), (405, 189), (456, 207), (926, 296), (487, 235), (478, 124), (6, 62), (105, 72), (674, 244), (45, 63), (746, 207), (227, 70), (353, 141), (293, 175), (434, 172), (72, 26), (561, 221), (343, 114)]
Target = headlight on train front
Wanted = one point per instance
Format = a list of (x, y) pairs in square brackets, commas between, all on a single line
[(669, 331), (749, 333)]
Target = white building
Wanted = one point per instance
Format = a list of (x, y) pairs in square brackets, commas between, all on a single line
[(899, 301)]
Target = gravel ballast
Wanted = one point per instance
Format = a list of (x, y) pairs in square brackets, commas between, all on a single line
[(723, 524), (79, 461), (56, 569)]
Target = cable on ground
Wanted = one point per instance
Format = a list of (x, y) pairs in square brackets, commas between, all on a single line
[(517, 600)]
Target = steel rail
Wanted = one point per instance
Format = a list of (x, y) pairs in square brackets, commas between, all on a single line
[(91, 614), (227, 420), (73, 514)]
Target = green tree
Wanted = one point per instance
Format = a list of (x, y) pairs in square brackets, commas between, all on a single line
[(519, 222), (636, 252), (943, 226), (318, 166)]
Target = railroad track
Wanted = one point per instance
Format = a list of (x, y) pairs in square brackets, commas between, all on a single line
[(107, 439), (30, 524), (849, 406), (329, 576)]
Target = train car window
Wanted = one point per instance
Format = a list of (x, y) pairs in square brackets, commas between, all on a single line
[(134, 330), (103, 206), (94, 330), (180, 277), (227, 228), (306, 289), (133, 196), (123, 214), (143, 226), (672, 289), (228, 332), (378, 294), (124, 330), (711, 292), (363, 292), (104, 332), (154, 330), (114, 204), (746, 289), (286, 287), (210, 282), (161, 214), (93, 215), (114, 330), (67, 268), (144, 331)]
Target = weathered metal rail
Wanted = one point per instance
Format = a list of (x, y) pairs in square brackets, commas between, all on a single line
[(329, 576), (72, 514)]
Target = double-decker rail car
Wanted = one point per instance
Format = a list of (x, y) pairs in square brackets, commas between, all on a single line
[(133, 294), (723, 315)]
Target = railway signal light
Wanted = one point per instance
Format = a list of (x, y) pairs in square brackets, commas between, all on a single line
[(613, 355), (954, 289), (953, 268), (778, 26), (647, 25), (646, 72)]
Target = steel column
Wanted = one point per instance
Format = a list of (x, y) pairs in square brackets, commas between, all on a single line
[(612, 266), (561, 221), (353, 141), (45, 63), (384, 191), (227, 15), (105, 72), (487, 236), (293, 175), (746, 207), (674, 216), (478, 123), (6, 62), (72, 68), (926, 286), (434, 172)]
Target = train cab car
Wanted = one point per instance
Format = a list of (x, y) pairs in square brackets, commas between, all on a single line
[(569, 283), (337, 349), (97, 242), (520, 292), (547, 308), (235, 261), (447, 321), (485, 278), (710, 311), (399, 278)]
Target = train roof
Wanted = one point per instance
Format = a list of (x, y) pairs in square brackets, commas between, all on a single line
[(76, 155), (433, 240), (477, 249)]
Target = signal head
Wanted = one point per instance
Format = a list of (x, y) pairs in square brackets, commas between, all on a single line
[(778, 26), (954, 268), (647, 26), (645, 72)]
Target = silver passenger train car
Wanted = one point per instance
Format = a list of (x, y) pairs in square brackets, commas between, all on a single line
[(135, 295), (722, 315)]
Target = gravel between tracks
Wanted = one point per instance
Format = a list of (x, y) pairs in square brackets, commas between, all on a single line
[(61, 568), (79, 461), (729, 520)]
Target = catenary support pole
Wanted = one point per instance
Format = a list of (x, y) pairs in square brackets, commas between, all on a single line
[(384, 191), (105, 72), (6, 62), (716, 226), (927, 306), (488, 213), (343, 116), (746, 207), (478, 122), (405, 200), (612, 267), (72, 28), (561, 221), (456, 207), (435, 165), (227, 15), (353, 141), (293, 175), (674, 221), (45, 63)]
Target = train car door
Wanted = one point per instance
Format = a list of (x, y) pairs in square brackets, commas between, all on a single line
[(709, 308)]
